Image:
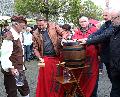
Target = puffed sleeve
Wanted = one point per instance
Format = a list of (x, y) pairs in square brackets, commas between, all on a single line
[(6, 51)]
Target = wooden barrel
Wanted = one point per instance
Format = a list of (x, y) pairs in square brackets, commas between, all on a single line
[(74, 54)]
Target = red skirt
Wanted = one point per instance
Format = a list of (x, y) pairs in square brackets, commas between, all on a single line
[(89, 75), (47, 85)]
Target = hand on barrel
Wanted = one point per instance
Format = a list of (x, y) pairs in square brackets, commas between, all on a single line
[(63, 41), (83, 40)]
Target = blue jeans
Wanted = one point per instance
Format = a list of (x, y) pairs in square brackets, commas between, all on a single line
[(27, 52), (101, 66)]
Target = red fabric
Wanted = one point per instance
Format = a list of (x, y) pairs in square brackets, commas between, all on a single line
[(93, 21), (47, 85), (88, 75), (79, 35)]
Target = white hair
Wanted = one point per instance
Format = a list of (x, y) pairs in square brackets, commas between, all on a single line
[(84, 17)]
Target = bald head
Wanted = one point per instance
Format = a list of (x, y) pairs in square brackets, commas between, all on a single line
[(115, 17), (114, 12), (106, 14)]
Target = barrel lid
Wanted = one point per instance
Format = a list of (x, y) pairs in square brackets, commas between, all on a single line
[(71, 43)]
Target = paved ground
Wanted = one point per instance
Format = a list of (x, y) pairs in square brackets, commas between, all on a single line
[(31, 73), (104, 86)]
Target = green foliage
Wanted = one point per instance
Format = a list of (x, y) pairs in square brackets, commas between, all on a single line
[(25, 7), (74, 11), (33, 7), (19, 7), (77, 8), (71, 9), (91, 10)]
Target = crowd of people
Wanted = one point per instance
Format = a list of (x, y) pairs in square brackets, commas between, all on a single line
[(45, 41)]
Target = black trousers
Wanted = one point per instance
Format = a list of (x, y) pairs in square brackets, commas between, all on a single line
[(115, 79), (11, 88), (94, 94), (108, 70)]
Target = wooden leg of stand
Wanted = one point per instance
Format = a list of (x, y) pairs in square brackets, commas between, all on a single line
[(74, 90), (78, 85), (71, 91)]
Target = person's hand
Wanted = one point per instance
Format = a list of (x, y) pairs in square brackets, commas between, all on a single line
[(14, 71), (41, 60), (63, 41), (41, 63), (99, 58), (75, 40), (83, 41)]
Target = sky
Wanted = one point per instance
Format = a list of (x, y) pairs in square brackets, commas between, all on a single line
[(99, 2), (113, 3)]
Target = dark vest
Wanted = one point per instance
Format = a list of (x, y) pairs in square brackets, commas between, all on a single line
[(17, 54)]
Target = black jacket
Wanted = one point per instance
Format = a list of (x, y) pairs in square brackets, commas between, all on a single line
[(113, 33), (105, 46)]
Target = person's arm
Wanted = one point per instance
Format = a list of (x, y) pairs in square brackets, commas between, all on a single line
[(6, 51), (35, 46), (101, 37), (98, 32), (35, 49)]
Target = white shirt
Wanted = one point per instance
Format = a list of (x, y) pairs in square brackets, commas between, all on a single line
[(27, 38), (6, 50)]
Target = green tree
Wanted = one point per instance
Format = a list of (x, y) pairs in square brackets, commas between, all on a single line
[(71, 9), (33, 7), (19, 8), (91, 10), (77, 8)]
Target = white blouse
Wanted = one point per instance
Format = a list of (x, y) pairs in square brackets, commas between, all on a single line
[(6, 51)]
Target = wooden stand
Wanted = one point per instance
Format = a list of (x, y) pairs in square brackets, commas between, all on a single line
[(73, 82)]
